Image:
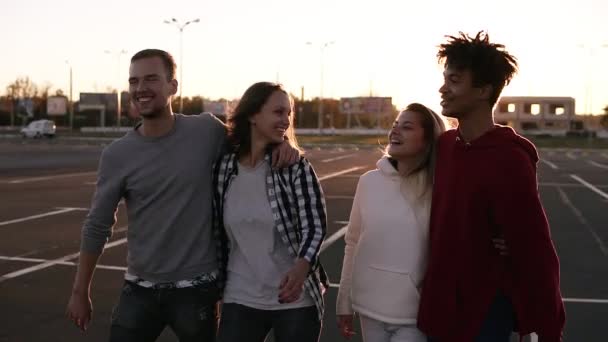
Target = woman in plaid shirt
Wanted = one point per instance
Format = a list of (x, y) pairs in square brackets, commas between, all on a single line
[(270, 224)]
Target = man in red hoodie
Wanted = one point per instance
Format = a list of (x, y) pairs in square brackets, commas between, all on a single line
[(485, 188)]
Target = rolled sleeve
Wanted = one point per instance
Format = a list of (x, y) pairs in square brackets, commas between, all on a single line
[(98, 225)]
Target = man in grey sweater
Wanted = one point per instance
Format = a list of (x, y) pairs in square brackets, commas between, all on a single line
[(162, 169)]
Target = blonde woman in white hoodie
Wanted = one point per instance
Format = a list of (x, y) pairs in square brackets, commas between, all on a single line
[(387, 238)]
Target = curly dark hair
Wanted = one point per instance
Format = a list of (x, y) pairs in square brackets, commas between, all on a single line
[(488, 62)]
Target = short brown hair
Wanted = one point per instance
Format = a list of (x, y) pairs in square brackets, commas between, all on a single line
[(167, 59)]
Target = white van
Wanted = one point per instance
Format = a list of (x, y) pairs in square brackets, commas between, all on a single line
[(38, 129)]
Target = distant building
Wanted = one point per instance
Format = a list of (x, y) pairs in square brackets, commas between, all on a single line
[(538, 114), (100, 109)]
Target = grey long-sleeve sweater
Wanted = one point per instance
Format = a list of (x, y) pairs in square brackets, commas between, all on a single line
[(166, 184)]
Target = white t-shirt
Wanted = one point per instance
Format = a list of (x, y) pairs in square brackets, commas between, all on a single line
[(258, 257)]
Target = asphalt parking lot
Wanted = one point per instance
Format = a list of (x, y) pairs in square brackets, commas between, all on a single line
[(45, 191)]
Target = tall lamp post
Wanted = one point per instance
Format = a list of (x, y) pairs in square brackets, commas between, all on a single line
[(181, 27), (119, 88), (322, 67)]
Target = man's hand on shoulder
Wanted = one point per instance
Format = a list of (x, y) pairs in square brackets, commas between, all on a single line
[(284, 155)]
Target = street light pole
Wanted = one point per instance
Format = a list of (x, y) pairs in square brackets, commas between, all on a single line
[(181, 27), (322, 67), (119, 88)]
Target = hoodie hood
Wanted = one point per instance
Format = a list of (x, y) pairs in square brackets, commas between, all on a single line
[(386, 167), (500, 137)]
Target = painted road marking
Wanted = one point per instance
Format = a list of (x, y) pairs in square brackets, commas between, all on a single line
[(337, 158), (33, 217), (553, 166), (333, 238), (53, 262), (596, 164), (38, 179), (64, 263), (590, 186), (339, 173), (583, 221)]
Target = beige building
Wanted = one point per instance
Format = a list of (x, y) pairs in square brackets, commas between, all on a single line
[(538, 114)]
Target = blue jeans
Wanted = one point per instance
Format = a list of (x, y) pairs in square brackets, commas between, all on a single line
[(498, 324), (143, 313), (241, 323)]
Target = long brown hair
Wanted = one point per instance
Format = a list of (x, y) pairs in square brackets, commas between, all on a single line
[(251, 103)]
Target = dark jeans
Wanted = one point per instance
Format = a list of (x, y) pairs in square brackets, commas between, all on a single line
[(240, 323), (498, 324), (143, 313)]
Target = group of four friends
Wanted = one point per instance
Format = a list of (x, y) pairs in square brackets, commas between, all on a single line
[(447, 238)]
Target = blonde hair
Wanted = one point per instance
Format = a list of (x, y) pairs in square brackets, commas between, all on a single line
[(433, 127)]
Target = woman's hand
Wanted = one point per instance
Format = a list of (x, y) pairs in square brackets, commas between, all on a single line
[(345, 324), (501, 245), (292, 283)]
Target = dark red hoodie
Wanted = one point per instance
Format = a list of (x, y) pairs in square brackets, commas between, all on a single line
[(484, 189)]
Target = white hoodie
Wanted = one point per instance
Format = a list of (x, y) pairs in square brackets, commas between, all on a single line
[(386, 247)]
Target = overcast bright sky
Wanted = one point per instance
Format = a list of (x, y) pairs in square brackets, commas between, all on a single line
[(388, 46)]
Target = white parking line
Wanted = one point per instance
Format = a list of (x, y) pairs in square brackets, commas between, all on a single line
[(590, 186), (53, 262), (601, 166), (65, 263), (569, 185), (571, 155), (37, 179), (42, 266), (339, 173), (56, 212), (586, 300), (553, 166), (333, 238), (583, 221), (337, 158)]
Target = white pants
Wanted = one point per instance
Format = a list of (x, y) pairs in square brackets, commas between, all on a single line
[(377, 331)]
